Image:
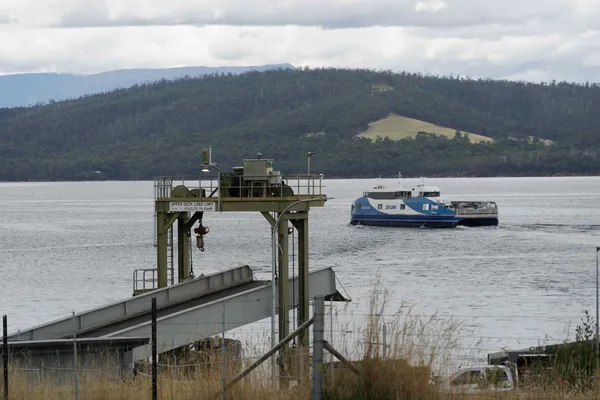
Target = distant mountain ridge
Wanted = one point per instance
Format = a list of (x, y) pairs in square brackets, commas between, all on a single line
[(22, 90)]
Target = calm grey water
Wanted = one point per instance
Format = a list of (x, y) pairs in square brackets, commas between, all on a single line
[(74, 246)]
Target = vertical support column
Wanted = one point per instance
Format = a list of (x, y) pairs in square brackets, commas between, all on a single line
[(318, 349), (161, 248), (303, 293), (284, 293), (154, 352), (5, 354), (183, 248)]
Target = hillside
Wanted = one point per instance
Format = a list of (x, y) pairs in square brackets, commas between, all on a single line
[(160, 128), (29, 89)]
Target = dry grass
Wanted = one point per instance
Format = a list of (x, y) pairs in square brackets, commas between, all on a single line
[(170, 385), (416, 346), (398, 127)]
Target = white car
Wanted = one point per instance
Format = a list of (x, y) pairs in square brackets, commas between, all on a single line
[(478, 379)]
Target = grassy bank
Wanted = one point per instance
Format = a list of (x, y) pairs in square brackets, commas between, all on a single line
[(416, 345)]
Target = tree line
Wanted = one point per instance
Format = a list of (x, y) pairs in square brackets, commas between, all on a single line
[(161, 127)]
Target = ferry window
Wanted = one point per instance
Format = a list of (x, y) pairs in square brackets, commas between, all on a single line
[(379, 206), (425, 206), (381, 195), (402, 206)]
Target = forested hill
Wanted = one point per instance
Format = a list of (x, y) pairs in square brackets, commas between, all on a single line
[(160, 128)]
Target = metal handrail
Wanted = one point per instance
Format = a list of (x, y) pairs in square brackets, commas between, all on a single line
[(466, 211), (146, 283), (301, 184)]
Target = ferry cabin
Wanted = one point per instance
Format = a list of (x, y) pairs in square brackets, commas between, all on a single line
[(419, 206)]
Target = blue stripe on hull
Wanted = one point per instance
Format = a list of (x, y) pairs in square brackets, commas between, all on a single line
[(404, 221)]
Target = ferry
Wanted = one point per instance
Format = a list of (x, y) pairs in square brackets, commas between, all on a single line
[(419, 206)]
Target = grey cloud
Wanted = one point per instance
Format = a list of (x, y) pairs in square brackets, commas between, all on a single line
[(536, 71), (478, 38), (73, 20), (493, 30), (334, 14), (5, 19), (532, 64), (87, 15)]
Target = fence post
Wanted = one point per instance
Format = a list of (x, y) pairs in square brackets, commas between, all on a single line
[(318, 346), (331, 359), (75, 362), (154, 358), (5, 353), (223, 354), (384, 333)]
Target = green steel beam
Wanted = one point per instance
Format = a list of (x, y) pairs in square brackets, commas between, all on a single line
[(164, 221), (266, 204), (197, 216), (283, 284), (269, 218), (301, 225), (161, 248), (183, 249)]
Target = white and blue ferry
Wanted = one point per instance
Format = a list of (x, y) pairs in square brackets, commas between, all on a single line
[(419, 206)]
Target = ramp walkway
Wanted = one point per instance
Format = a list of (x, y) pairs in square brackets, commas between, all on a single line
[(186, 312)]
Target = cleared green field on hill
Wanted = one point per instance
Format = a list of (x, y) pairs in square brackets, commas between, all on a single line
[(398, 127)]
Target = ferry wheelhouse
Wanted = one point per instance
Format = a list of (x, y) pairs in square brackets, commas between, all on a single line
[(419, 206)]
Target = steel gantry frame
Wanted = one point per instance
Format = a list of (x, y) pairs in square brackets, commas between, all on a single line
[(255, 187)]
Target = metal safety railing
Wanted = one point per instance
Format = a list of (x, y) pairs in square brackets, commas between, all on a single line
[(471, 211), (163, 186), (245, 186), (146, 279), (475, 208)]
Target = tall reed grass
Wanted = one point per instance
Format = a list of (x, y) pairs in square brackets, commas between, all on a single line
[(416, 346)]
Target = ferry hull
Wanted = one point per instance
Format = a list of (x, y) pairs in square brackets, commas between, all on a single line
[(404, 222), (479, 221)]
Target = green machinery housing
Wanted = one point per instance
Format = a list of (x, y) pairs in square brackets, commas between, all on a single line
[(253, 187)]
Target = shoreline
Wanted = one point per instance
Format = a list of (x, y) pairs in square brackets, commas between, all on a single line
[(338, 178)]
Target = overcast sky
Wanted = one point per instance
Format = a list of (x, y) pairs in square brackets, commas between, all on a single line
[(515, 39)]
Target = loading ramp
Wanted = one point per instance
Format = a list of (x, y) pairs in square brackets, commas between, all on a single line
[(178, 295), (186, 312)]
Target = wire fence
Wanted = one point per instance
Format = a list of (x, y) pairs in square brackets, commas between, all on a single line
[(191, 361)]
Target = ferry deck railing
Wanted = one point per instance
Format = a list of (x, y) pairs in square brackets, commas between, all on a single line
[(475, 207)]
